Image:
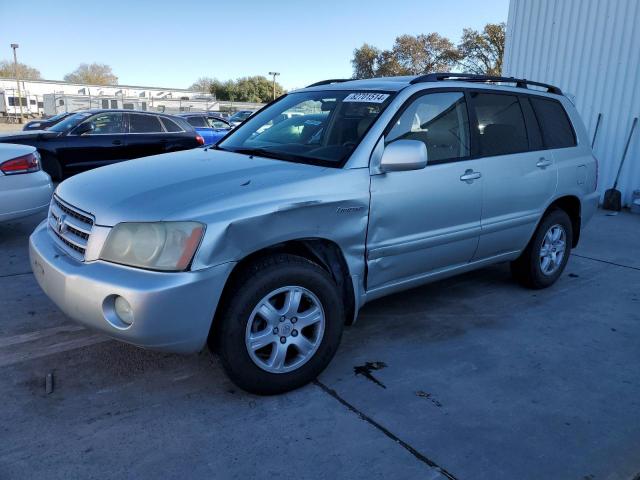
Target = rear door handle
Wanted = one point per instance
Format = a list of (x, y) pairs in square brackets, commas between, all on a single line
[(543, 163), (469, 176)]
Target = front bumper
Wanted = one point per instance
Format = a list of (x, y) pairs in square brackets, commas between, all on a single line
[(172, 311)]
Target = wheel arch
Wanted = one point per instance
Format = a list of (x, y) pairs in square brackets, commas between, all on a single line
[(572, 206), (321, 251)]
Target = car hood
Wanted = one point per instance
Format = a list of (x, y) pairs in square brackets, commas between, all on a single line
[(26, 135), (186, 185)]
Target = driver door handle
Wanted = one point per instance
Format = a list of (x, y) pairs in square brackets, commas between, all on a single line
[(469, 176), (543, 163), (116, 142)]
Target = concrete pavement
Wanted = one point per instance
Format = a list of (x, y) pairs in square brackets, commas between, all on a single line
[(469, 378)]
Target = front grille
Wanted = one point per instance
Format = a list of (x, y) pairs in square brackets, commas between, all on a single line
[(70, 227)]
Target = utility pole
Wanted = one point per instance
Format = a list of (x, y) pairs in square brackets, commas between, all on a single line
[(274, 75), (15, 63)]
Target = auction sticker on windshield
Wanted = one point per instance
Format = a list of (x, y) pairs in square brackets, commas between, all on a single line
[(366, 97)]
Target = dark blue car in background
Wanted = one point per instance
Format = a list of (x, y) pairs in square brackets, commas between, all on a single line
[(210, 127), (45, 123)]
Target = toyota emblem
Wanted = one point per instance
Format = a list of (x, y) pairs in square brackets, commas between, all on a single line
[(60, 224)]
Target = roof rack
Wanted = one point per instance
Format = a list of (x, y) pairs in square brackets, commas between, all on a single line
[(328, 82), (469, 77)]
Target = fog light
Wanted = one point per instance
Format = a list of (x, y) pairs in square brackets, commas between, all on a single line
[(123, 310)]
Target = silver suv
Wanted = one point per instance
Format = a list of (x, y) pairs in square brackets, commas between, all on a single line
[(265, 245)]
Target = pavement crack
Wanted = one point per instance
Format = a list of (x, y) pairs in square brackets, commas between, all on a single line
[(16, 274), (331, 392), (605, 261)]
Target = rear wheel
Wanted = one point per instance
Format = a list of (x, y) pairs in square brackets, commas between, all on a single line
[(547, 254), (282, 325)]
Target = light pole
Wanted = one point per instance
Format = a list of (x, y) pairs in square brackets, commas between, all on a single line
[(15, 63), (274, 75)]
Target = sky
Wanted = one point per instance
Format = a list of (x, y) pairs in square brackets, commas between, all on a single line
[(172, 44)]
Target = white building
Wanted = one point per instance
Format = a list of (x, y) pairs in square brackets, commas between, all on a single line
[(50, 97), (591, 50)]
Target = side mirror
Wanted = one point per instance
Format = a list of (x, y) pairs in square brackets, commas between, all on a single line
[(84, 128), (404, 155)]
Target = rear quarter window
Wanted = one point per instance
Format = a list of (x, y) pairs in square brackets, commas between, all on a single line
[(554, 122), (170, 125), (183, 123)]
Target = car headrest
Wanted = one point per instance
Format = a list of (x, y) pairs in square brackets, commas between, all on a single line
[(499, 139), (363, 125)]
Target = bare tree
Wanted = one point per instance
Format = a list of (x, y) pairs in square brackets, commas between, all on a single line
[(25, 72), (94, 74), (482, 52), (203, 84)]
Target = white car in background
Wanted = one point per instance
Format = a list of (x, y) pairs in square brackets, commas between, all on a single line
[(25, 189)]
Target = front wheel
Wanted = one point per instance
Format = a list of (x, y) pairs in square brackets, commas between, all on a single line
[(282, 325), (547, 254)]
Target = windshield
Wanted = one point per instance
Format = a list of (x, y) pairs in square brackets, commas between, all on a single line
[(310, 127), (240, 116), (69, 122), (57, 117), (217, 123)]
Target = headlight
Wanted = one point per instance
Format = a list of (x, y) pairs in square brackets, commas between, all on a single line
[(166, 246)]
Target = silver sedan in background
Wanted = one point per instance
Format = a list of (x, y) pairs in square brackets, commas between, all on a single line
[(25, 189)]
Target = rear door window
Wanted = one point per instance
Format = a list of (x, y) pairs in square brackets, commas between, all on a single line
[(533, 127), (557, 131), (501, 126), (144, 124)]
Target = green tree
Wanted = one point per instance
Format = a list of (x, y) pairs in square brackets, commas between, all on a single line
[(257, 89), (389, 65), (483, 52), (94, 74), (425, 53), (410, 55), (223, 90), (25, 72), (365, 61)]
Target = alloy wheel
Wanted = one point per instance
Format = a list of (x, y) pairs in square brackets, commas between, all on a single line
[(285, 329), (553, 249)]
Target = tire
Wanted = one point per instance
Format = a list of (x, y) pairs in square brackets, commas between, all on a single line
[(529, 268), (277, 279), (51, 165)]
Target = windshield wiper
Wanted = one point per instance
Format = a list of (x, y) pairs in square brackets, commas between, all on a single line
[(261, 152)]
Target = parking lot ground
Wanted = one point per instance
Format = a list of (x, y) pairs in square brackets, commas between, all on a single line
[(468, 378)]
